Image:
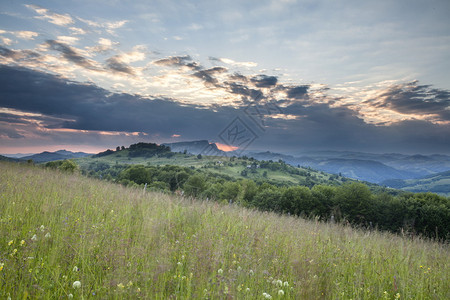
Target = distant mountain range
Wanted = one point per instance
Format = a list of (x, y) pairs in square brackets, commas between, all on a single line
[(437, 183), (51, 156)]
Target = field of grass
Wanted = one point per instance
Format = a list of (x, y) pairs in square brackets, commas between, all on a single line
[(65, 236)]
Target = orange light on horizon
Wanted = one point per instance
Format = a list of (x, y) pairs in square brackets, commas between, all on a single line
[(226, 148), (175, 135)]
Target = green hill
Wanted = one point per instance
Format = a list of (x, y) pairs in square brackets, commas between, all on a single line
[(437, 183), (278, 173), (64, 236)]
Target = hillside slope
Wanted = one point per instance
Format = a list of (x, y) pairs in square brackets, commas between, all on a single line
[(437, 183), (65, 235)]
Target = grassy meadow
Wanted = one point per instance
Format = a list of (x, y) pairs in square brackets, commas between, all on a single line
[(65, 236)]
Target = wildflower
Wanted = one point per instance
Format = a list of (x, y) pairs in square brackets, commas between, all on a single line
[(1, 266), (220, 271), (120, 285), (397, 296), (130, 283), (247, 290), (22, 242), (76, 284), (75, 269), (267, 296), (279, 282), (70, 296), (179, 263), (138, 290), (280, 293), (239, 268), (13, 253), (10, 242), (34, 238), (42, 228), (286, 283), (251, 272), (48, 235)]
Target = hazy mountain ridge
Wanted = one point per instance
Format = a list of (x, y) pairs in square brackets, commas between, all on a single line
[(57, 155), (196, 147), (437, 183)]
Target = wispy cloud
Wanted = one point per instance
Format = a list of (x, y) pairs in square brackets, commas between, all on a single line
[(54, 18), (109, 26), (72, 55)]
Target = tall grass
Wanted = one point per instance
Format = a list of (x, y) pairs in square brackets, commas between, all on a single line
[(56, 229)]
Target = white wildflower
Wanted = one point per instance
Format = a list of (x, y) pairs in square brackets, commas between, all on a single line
[(48, 235), (220, 271), (280, 293), (75, 269), (76, 284), (42, 228), (34, 238), (70, 296), (279, 282), (286, 283)]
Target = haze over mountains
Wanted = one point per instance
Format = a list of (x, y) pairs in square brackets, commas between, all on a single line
[(370, 167)]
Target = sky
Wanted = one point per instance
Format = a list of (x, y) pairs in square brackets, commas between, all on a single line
[(286, 76)]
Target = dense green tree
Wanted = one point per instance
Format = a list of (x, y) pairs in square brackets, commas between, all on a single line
[(138, 174), (195, 185)]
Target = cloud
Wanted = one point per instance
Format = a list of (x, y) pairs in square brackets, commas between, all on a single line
[(208, 75), (103, 45), (52, 109), (115, 64), (76, 30), (229, 61), (26, 35), (413, 99), (174, 61), (18, 55), (6, 41), (109, 26), (71, 40), (298, 92), (264, 80), (54, 18), (72, 55)]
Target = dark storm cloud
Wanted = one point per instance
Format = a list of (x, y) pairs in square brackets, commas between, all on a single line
[(88, 107), (264, 81), (65, 104), (114, 64), (415, 99), (71, 54)]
